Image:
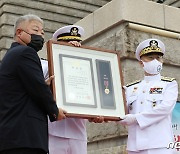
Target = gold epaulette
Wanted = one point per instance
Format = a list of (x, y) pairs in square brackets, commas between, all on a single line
[(133, 83), (168, 79)]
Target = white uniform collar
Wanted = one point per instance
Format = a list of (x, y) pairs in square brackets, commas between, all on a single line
[(151, 78)]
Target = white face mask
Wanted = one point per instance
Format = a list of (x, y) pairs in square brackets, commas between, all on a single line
[(153, 67)]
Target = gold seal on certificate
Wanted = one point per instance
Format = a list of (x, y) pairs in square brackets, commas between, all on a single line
[(106, 91)]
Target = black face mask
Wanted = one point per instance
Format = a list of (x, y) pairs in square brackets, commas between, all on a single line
[(36, 42)]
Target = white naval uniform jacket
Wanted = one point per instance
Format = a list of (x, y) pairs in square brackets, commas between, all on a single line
[(71, 128), (152, 100)]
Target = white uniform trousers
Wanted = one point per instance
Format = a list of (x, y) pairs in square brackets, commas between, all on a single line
[(59, 145), (154, 151)]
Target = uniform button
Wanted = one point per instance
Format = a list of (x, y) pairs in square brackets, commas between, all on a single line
[(144, 91), (141, 102)]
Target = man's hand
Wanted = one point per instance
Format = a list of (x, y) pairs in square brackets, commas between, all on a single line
[(98, 119), (61, 114), (49, 80), (128, 119), (75, 43)]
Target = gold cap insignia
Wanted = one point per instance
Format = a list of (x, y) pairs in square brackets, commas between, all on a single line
[(74, 31), (153, 47)]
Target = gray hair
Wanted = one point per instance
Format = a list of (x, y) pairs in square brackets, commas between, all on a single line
[(24, 18)]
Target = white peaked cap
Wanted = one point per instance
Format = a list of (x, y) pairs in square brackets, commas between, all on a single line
[(70, 32), (150, 46)]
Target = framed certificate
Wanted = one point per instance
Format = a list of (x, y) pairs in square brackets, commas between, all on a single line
[(88, 81)]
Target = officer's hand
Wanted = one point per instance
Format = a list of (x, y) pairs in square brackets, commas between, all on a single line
[(75, 43), (49, 80), (128, 119), (61, 114), (98, 119)]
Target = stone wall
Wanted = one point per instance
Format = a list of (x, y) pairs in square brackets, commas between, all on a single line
[(55, 13)]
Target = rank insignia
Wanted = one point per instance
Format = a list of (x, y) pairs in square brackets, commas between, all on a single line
[(167, 79), (133, 83), (155, 90)]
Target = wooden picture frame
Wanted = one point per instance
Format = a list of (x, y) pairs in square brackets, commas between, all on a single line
[(88, 81)]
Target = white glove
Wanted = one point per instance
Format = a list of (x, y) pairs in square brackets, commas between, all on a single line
[(128, 119)]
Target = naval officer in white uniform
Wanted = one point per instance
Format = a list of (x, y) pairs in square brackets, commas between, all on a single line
[(150, 103), (68, 136)]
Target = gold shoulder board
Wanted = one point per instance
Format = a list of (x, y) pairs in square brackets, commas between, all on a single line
[(168, 79), (133, 83)]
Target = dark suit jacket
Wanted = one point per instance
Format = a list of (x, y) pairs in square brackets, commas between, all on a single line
[(25, 100)]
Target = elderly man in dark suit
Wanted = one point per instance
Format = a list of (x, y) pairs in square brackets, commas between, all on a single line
[(25, 99)]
